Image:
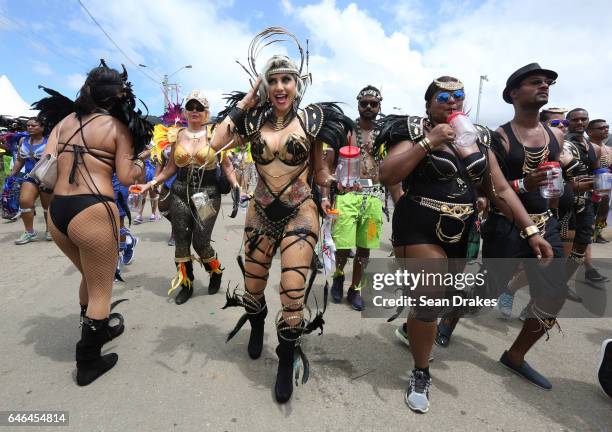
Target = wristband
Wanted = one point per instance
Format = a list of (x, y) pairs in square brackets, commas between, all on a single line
[(529, 231), (325, 199), (237, 115), (521, 186), (139, 164), (425, 144)]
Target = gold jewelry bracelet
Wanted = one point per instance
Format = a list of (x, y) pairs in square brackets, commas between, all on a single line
[(529, 231), (425, 144)]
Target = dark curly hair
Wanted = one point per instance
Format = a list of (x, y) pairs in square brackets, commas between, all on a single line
[(101, 90)]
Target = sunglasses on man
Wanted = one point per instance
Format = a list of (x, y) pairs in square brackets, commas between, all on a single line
[(195, 106), (365, 104), (557, 123), (444, 97)]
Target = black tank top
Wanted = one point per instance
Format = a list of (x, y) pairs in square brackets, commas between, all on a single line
[(587, 156), (521, 160)]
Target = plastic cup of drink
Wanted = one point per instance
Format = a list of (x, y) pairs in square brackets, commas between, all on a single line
[(554, 186), (465, 132)]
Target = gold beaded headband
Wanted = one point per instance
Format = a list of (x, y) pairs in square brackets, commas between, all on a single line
[(449, 85)]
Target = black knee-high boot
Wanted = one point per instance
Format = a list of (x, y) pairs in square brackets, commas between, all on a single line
[(187, 284), (113, 330), (90, 364), (257, 319), (284, 375)]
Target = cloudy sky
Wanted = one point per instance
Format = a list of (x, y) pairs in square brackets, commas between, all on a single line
[(399, 46)]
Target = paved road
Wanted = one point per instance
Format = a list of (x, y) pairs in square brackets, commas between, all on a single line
[(176, 373)]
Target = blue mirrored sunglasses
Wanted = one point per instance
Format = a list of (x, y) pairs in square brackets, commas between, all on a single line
[(444, 97), (556, 123)]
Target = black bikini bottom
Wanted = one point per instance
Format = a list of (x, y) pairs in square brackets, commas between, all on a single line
[(65, 207)]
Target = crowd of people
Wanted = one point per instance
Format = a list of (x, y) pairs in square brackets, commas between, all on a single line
[(280, 161)]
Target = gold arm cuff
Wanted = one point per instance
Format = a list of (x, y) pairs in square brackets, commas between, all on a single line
[(425, 144), (529, 231)]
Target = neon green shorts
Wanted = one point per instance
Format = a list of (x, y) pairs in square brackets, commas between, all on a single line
[(357, 226)]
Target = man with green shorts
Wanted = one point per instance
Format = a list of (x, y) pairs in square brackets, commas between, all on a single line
[(359, 221)]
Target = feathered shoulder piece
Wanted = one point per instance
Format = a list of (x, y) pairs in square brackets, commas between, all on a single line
[(484, 135), (53, 108), (396, 128), (570, 148), (232, 99), (326, 122), (162, 138)]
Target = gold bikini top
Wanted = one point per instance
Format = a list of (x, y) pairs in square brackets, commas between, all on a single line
[(295, 151), (204, 156)]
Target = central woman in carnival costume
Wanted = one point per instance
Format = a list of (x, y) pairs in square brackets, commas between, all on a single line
[(286, 145)]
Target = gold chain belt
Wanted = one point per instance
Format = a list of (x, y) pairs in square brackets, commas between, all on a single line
[(460, 211), (538, 219)]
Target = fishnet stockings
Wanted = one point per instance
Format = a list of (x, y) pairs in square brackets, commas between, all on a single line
[(92, 247)]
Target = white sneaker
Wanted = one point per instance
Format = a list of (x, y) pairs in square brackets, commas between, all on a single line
[(401, 335), (504, 305), (604, 367), (417, 394)]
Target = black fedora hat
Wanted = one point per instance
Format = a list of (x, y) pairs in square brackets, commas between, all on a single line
[(521, 74)]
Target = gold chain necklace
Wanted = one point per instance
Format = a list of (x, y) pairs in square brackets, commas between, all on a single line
[(195, 136), (531, 160), (280, 123)]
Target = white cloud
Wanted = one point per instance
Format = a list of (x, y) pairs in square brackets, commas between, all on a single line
[(494, 39), (74, 81), (192, 32), (350, 48), (42, 68)]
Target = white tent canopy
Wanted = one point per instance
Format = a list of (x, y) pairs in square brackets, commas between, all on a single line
[(11, 104)]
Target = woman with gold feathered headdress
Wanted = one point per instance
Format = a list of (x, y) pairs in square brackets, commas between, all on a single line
[(286, 145)]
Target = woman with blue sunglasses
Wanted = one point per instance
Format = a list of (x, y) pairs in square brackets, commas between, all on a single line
[(431, 220)]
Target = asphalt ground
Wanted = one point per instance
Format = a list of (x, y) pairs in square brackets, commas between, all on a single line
[(176, 373)]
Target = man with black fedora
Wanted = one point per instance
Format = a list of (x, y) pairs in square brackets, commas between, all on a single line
[(521, 146)]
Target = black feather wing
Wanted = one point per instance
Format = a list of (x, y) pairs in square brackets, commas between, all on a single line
[(332, 127), (53, 108)]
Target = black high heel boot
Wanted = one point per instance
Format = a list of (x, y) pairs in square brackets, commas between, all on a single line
[(257, 321), (284, 375), (90, 364)]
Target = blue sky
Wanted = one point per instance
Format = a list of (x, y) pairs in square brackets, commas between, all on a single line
[(399, 46)]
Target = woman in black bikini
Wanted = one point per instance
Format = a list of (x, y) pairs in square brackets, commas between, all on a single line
[(430, 219), (101, 135), (286, 145)]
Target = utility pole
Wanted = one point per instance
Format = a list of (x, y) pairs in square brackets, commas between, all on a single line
[(165, 86), (482, 78)]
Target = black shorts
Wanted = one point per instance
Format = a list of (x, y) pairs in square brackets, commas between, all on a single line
[(414, 224), (583, 223), (501, 239)]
